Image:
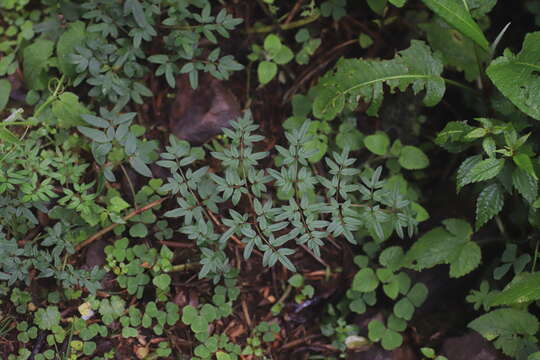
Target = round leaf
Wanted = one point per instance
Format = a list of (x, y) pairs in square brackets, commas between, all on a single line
[(266, 71), (412, 158), (377, 143)]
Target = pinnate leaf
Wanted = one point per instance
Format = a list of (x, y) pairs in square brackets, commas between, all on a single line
[(355, 79)]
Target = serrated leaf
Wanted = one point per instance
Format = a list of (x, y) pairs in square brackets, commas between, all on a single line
[(481, 171), (440, 246), (516, 76), (36, 62), (525, 290), (355, 79), (490, 202), (455, 14), (68, 110), (525, 184), (505, 322), (73, 36)]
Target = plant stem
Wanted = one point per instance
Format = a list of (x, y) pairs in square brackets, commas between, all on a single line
[(105, 230)]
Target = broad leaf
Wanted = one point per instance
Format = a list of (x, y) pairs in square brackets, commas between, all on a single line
[(412, 158), (68, 110), (505, 322), (524, 290), (74, 36), (525, 184), (355, 79), (472, 170), (5, 90), (490, 202), (457, 15), (517, 76), (36, 62), (451, 246)]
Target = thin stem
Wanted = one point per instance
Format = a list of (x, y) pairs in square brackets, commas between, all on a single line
[(109, 228), (184, 267), (131, 187), (289, 26)]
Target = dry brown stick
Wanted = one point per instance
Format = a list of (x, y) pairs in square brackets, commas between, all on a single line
[(297, 342), (105, 230), (293, 12)]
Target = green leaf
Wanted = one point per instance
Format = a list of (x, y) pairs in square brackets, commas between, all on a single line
[(189, 314), (162, 281), (376, 330), (377, 143), (220, 355), (283, 56), (523, 161), (8, 136), (349, 137), (72, 37), (138, 230), (404, 309), (266, 71), (129, 332), (391, 340), (526, 289), (517, 76), (505, 322), (446, 246), (136, 9), (68, 110), (139, 166), (36, 62), (457, 50), (5, 91), (117, 204), (480, 171), (456, 14), (412, 158), (365, 280), (272, 44), (47, 318), (490, 202), (95, 135), (525, 184), (297, 280), (418, 294), (355, 79)]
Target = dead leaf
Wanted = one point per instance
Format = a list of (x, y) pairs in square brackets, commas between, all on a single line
[(197, 115)]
